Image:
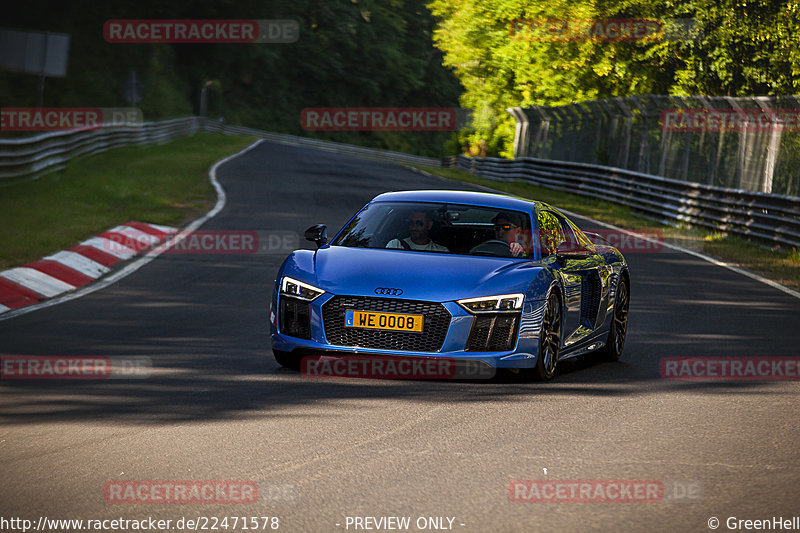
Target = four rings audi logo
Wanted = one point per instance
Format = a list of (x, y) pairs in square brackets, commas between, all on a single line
[(388, 291)]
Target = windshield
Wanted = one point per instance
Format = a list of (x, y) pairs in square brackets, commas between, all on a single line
[(440, 228)]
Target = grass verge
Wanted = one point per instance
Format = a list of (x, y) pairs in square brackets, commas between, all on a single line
[(779, 264), (161, 184)]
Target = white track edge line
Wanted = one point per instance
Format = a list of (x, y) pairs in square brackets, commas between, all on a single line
[(144, 259), (699, 255)]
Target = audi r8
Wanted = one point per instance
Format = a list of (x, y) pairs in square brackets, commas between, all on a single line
[(493, 279)]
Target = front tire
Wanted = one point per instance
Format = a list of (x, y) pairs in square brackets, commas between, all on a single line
[(619, 323), (287, 359), (549, 338)]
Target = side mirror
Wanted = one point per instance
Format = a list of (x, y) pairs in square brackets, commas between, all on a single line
[(318, 234), (566, 251)]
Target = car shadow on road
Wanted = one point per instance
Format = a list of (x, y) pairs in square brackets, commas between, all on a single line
[(191, 387)]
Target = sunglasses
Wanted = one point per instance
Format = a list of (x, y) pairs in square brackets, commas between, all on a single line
[(504, 227), (417, 223)]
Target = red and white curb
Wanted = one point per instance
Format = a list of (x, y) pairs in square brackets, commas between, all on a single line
[(143, 258), (68, 270)]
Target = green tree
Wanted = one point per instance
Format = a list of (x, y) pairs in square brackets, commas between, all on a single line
[(737, 47)]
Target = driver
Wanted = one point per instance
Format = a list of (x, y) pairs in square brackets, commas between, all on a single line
[(419, 225), (507, 230)]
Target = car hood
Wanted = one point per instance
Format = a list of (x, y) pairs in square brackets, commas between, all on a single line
[(421, 276)]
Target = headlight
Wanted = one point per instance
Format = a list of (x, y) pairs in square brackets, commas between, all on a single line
[(493, 304), (298, 289)]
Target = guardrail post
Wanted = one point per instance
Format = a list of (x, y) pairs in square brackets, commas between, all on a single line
[(521, 131), (542, 131), (776, 130), (643, 160), (625, 148)]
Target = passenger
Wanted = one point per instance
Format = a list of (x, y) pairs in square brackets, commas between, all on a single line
[(419, 224)]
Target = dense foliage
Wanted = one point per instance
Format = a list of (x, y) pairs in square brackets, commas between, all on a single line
[(360, 53), (380, 53), (735, 48)]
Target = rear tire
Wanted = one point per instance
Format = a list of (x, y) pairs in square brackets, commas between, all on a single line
[(619, 323), (287, 359)]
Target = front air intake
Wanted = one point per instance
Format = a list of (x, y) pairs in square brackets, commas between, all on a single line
[(294, 317), (493, 332)]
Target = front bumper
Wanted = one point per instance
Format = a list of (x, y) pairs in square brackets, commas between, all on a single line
[(453, 345)]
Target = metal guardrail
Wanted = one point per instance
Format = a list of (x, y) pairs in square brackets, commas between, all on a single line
[(766, 217), (29, 157), (748, 142)]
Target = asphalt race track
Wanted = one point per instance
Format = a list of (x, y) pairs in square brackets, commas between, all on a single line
[(218, 407)]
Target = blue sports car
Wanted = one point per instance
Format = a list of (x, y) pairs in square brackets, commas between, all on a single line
[(487, 278)]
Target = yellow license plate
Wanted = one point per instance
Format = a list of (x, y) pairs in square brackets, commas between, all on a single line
[(388, 321)]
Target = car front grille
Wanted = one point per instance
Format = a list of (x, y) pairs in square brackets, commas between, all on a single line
[(434, 326), (294, 318), (495, 332)]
